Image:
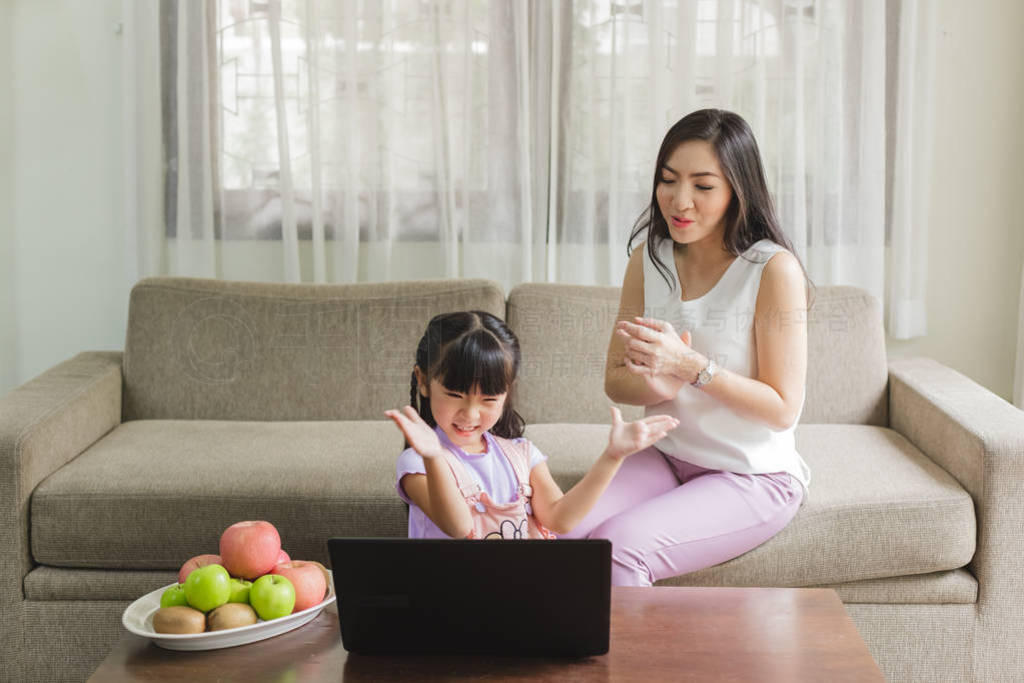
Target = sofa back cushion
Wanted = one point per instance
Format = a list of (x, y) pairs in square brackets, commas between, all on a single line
[(564, 332), (847, 369), (223, 350)]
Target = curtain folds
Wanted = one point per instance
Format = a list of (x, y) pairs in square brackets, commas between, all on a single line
[(193, 184), (911, 172), (515, 140)]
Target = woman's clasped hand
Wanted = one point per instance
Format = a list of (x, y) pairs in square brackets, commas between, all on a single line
[(656, 352)]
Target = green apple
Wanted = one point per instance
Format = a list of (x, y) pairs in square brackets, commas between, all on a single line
[(174, 597), (272, 596), (208, 587), (240, 590)]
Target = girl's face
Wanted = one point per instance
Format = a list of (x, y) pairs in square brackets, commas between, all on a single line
[(693, 194), (465, 417)]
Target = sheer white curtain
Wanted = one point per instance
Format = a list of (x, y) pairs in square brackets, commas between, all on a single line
[(811, 78), (346, 141), (910, 171)]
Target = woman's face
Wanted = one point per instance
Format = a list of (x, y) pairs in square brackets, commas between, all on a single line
[(693, 194)]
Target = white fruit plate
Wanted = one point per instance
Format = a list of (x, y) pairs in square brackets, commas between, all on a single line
[(138, 619)]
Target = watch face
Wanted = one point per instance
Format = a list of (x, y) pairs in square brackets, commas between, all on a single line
[(706, 375)]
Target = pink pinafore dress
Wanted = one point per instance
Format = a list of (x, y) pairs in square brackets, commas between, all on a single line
[(500, 520)]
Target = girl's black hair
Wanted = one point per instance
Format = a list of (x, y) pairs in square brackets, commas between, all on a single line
[(467, 350), (751, 214)]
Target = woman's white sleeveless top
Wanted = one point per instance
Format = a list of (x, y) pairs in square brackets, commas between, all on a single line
[(710, 434)]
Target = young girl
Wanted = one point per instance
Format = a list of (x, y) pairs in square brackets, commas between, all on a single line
[(468, 473), (712, 329)]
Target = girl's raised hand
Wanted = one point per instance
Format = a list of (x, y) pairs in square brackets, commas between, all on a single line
[(627, 438), (418, 433)]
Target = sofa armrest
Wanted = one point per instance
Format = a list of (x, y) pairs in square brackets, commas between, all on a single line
[(978, 438), (44, 424)]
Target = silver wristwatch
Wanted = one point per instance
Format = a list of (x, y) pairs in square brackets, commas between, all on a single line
[(706, 375)]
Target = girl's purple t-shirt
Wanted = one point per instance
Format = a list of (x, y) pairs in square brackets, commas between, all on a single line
[(491, 469)]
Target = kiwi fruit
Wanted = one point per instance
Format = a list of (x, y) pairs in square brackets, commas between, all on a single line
[(231, 615), (179, 619)]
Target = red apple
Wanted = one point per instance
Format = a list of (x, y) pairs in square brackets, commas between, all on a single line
[(195, 563), (327, 575), (282, 557), (309, 582), (250, 549)]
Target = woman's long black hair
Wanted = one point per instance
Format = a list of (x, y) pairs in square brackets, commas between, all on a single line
[(467, 350), (751, 214)]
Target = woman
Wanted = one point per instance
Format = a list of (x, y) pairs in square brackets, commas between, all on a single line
[(711, 330)]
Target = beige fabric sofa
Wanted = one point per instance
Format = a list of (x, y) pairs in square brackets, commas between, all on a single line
[(239, 401)]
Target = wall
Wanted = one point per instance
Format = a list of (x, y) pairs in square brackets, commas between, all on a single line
[(62, 214), (67, 188), (976, 244), (9, 357)]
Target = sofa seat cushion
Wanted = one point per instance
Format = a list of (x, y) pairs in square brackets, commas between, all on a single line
[(59, 583), (877, 507), (153, 493)]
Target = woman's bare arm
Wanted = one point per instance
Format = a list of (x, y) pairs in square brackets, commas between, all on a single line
[(621, 385), (775, 395)]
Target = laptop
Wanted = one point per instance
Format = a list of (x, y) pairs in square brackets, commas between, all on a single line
[(515, 597)]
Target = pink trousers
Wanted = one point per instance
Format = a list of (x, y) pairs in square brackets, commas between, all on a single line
[(667, 517)]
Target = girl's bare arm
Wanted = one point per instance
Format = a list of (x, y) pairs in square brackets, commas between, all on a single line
[(435, 492), (437, 495), (562, 512)]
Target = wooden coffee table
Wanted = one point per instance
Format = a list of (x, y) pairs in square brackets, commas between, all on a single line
[(659, 633)]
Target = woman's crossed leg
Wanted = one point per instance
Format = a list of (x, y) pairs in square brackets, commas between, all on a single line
[(667, 517)]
